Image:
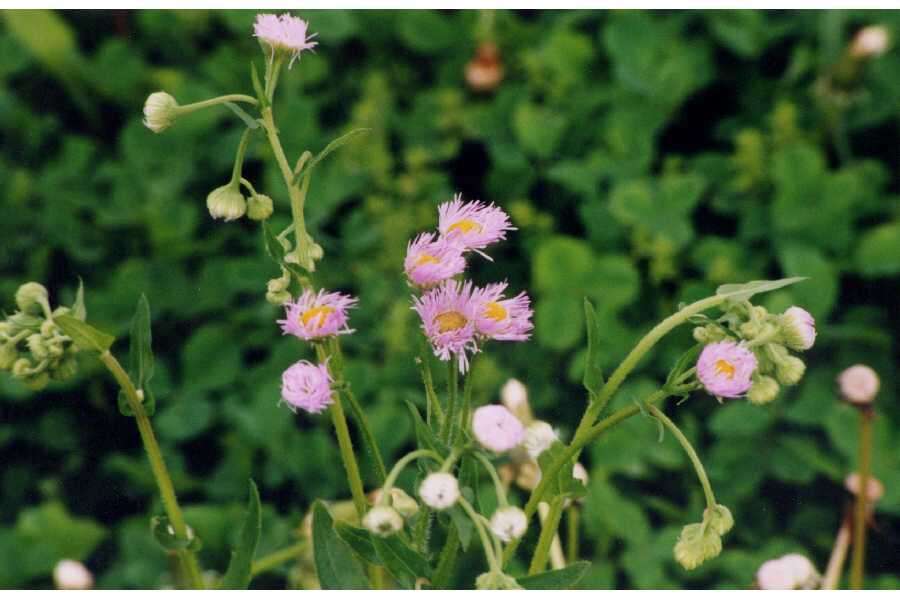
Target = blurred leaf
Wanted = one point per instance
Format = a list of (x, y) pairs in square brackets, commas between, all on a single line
[(140, 359), (86, 337), (237, 577), (559, 579), (878, 254), (738, 292), (335, 565)]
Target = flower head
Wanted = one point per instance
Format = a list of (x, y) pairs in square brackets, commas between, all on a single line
[(472, 225), (284, 33), (72, 575), (539, 436), (509, 523), (725, 369), (503, 319), (307, 386), (448, 315), (431, 259), (799, 328), (160, 111), (790, 572), (870, 42), (317, 314), (383, 521), (859, 384), (226, 202), (439, 490), (496, 428)]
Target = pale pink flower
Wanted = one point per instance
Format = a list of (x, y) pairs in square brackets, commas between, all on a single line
[(317, 315), (503, 319), (800, 328), (859, 384), (307, 386), (286, 33), (472, 225), (790, 572), (448, 316), (725, 369), (496, 428), (431, 259)]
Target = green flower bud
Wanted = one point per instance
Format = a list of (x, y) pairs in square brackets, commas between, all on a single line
[(226, 203), (56, 347), (31, 298), (8, 356), (764, 390), (49, 328), (719, 519), (790, 370), (37, 381), (316, 252), (61, 310), (750, 330), (37, 346), (259, 207), (496, 580), (403, 503), (160, 111), (21, 368), (277, 288), (697, 544)]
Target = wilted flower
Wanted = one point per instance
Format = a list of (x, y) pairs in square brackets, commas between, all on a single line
[(799, 328), (496, 428), (509, 523), (72, 575), (725, 369), (160, 111), (226, 202), (472, 225), (430, 260), (284, 33), (383, 521), (859, 384), (539, 436), (790, 572), (317, 315), (503, 319), (439, 490), (448, 316), (307, 386)]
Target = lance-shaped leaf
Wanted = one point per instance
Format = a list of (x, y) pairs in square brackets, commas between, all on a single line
[(86, 337), (402, 562), (331, 147), (593, 373), (79, 310), (140, 359), (560, 579), (359, 540), (739, 292), (258, 87), (563, 484), (335, 564), (424, 435), (238, 575)]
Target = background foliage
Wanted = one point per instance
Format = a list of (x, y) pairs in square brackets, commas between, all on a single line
[(645, 158)]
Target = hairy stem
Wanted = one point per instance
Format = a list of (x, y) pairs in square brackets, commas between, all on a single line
[(447, 559), (572, 533), (452, 384), (689, 450), (548, 532), (189, 108), (433, 405)]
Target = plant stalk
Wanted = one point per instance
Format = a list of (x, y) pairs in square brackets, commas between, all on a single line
[(857, 565), (548, 532)]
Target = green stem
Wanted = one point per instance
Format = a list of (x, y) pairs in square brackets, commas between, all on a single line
[(466, 416), (492, 560), (249, 187), (689, 450), (189, 108), (452, 384), (278, 558), (157, 465), (858, 560), (447, 559), (548, 532), (420, 536), (433, 405), (498, 485), (400, 465), (239, 158), (572, 533)]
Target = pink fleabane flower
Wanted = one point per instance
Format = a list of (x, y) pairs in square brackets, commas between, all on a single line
[(317, 315), (307, 386), (285, 33), (725, 369), (448, 315), (430, 261), (472, 225), (496, 428), (503, 319)]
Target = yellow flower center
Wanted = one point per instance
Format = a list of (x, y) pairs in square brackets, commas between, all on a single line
[(449, 321), (723, 367), (316, 312), (425, 259), (495, 311), (465, 226)]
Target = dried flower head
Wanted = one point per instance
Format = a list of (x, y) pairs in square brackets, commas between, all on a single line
[(448, 315), (472, 225), (307, 386), (859, 384), (431, 259), (790, 572), (496, 428), (509, 523), (316, 315), (284, 33), (799, 328), (439, 491), (503, 319), (725, 369)]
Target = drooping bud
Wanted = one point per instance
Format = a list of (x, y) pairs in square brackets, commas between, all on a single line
[(403, 503), (485, 72), (763, 390), (383, 521), (719, 519), (798, 328), (277, 288), (259, 207), (509, 523), (439, 490), (789, 370), (226, 202), (859, 384), (160, 111), (31, 298), (72, 575), (697, 543)]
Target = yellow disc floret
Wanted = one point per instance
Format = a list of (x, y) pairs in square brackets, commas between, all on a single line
[(450, 321)]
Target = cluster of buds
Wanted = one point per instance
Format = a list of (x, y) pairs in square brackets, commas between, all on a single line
[(747, 351), (32, 347), (702, 541)]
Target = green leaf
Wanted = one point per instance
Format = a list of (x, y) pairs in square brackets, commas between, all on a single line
[(739, 292), (335, 565), (258, 87), (560, 579), (86, 337), (593, 372), (878, 254), (237, 577), (401, 561), (359, 540), (539, 129), (684, 361), (331, 147), (557, 321), (140, 359), (564, 484), (424, 435), (819, 298), (79, 311), (274, 247), (464, 526), (249, 121)]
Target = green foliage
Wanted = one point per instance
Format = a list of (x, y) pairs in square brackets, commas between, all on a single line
[(237, 577), (335, 565)]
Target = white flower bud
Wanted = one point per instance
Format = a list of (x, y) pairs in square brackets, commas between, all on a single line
[(160, 111), (538, 437), (259, 207), (439, 490), (580, 473), (383, 521), (31, 297), (798, 328), (870, 42), (859, 384), (226, 202), (764, 390), (404, 503), (514, 396), (72, 575), (790, 572), (509, 523)]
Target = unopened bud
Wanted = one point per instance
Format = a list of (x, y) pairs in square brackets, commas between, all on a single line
[(514, 396), (66, 369), (31, 298), (790, 370), (763, 390), (226, 203), (21, 368), (790, 572), (539, 436), (160, 111), (496, 580), (859, 384), (383, 521), (8, 355), (509, 523), (439, 490), (403, 503), (697, 544), (37, 347), (72, 575), (259, 207), (870, 42), (719, 519), (798, 328)]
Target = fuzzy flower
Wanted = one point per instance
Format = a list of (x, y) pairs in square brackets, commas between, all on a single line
[(503, 319), (431, 259), (496, 428), (317, 315), (859, 384), (307, 386), (509, 523), (799, 328), (790, 572), (72, 575), (472, 225), (383, 521), (285, 33), (448, 315), (439, 491), (226, 202), (538, 437), (725, 369)]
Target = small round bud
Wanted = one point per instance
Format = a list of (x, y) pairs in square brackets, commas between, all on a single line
[(696, 544), (383, 521), (758, 313), (496, 580), (763, 390), (8, 356), (259, 207), (701, 336), (790, 572), (719, 519), (439, 490), (539, 436), (72, 575), (160, 111), (226, 203), (789, 370), (485, 72), (316, 252), (37, 347), (874, 488), (514, 396), (859, 384), (31, 298), (509, 523), (798, 328), (870, 42), (403, 503)]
